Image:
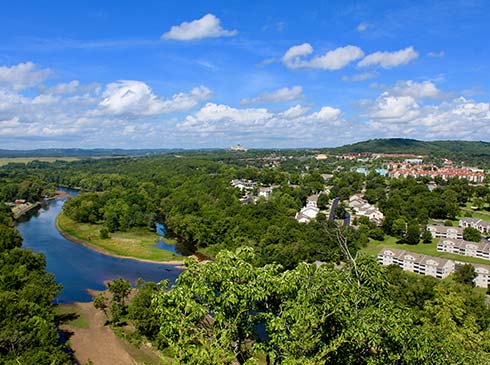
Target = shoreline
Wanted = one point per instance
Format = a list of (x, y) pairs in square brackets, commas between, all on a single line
[(91, 246)]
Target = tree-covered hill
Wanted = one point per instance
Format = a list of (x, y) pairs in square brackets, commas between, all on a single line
[(402, 145)]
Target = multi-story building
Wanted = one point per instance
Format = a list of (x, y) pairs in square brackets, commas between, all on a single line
[(479, 224), (417, 263), (440, 231), (465, 248)]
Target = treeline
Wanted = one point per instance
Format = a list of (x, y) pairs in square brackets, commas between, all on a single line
[(28, 331), (231, 310)]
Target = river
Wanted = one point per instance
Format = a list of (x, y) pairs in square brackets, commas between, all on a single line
[(76, 267)]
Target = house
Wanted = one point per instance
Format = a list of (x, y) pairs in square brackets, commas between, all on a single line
[(321, 157), (465, 248), (20, 201), (266, 191), (310, 211), (238, 148), (362, 208), (417, 263), (327, 177), (482, 279), (479, 224), (440, 231), (243, 184)]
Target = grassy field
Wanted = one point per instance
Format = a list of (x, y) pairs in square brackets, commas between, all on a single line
[(374, 247), (24, 160), (136, 243)]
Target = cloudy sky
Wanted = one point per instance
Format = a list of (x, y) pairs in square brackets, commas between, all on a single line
[(193, 74)]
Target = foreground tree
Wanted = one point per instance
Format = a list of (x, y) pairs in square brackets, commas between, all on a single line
[(471, 234), (230, 310)]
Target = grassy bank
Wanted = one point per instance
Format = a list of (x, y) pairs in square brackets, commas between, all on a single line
[(374, 247), (137, 243)]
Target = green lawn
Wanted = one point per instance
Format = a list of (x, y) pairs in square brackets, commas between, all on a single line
[(136, 243), (374, 247)]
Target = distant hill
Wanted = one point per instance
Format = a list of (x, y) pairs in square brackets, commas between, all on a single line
[(402, 145), (80, 152)]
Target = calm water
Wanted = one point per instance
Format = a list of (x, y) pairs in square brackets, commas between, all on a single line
[(76, 267)]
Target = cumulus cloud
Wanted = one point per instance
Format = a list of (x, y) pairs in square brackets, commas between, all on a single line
[(331, 60), (418, 90), (279, 95), (23, 76), (294, 112), (206, 27), (135, 98), (389, 59)]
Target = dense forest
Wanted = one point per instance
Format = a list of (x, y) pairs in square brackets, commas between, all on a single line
[(28, 326)]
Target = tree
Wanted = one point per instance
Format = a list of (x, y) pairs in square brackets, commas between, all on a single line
[(9, 238), (104, 233), (471, 234), (426, 236), (100, 303), (412, 236), (465, 275), (120, 289)]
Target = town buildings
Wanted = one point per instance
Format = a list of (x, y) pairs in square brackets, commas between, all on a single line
[(398, 170), (417, 263), (431, 266), (361, 207), (465, 248), (441, 231), (479, 224)]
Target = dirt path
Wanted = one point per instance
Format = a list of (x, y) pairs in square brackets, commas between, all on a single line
[(97, 342)]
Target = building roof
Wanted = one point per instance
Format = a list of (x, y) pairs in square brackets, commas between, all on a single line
[(415, 257)]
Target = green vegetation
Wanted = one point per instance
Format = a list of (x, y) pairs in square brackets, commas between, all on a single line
[(230, 310), (28, 327), (135, 243)]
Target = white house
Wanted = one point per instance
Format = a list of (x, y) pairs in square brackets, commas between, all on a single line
[(362, 208), (310, 211)]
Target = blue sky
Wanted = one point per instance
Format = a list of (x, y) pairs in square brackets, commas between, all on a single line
[(194, 74)]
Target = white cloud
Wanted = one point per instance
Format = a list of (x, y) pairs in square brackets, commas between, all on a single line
[(279, 95), (294, 52), (294, 112), (22, 76), (206, 27), (362, 27), (331, 60), (135, 98), (418, 90), (327, 113), (389, 59)]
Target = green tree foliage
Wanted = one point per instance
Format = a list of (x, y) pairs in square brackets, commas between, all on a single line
[(471, 234), (426, 236), (119, 289), (465, 275), (28, 332), (231, 310)]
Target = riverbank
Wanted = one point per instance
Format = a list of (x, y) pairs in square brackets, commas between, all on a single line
[(21, 209), (136, 244), (91, 339)]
